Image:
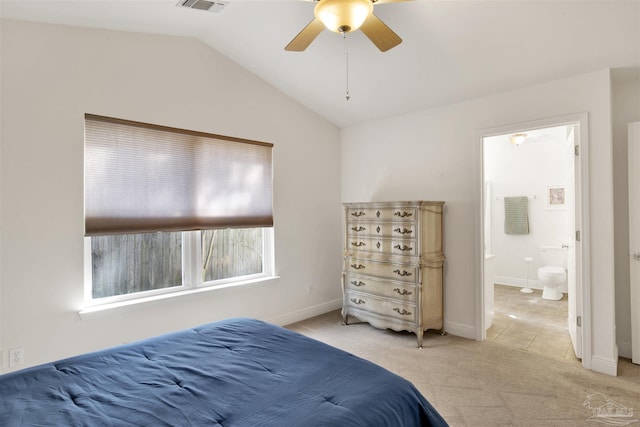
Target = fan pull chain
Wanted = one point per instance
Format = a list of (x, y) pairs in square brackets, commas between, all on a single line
[(346, 54)]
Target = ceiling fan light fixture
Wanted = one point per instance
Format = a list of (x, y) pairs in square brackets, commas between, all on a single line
[(343, 16), (518, 138)]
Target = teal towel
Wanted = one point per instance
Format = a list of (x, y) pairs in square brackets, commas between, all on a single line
[(516, 216)]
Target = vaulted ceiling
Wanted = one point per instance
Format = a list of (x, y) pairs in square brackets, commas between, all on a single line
[(452, 50)]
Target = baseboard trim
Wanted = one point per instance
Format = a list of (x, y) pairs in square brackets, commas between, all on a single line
[(517, 282), (521, 283), (307, 313), (457, 329), (625, 349), (460, 330), (604, 366)]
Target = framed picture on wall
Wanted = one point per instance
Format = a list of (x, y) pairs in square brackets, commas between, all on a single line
[(556, 197)]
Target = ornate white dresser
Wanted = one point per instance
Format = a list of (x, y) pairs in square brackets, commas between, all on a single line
[(393, 261)]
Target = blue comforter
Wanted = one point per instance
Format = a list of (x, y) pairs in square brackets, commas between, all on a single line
[(232, 373)]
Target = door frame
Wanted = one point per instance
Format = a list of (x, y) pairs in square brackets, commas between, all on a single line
[(583, 275), (633, 146)]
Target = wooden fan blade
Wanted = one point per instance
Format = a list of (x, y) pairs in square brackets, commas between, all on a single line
[(382, 36), (306, 36)]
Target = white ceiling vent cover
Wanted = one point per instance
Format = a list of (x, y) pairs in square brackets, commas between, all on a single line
[(210, 6)]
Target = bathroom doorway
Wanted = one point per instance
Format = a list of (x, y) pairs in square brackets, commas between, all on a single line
[(536, 166)]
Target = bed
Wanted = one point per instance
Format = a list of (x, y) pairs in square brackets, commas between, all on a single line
[(232, 373)]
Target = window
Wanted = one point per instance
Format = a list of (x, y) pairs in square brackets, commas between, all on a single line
[(123, 264), (231, 253), (128, 266), (168, 210)]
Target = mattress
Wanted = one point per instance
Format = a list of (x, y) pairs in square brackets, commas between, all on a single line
[(233, 373)]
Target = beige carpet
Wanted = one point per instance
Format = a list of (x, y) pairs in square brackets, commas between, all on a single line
[(484, 383)]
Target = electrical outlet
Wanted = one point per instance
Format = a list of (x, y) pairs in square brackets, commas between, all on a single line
[(309, 289), (16, 357)]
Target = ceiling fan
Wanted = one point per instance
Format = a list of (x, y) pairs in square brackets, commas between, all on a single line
[(345, 16)]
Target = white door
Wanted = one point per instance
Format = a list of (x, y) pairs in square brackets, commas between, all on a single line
[(634, 236), (573, 256)]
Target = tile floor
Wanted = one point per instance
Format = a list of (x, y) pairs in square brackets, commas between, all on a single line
[(530, 323)]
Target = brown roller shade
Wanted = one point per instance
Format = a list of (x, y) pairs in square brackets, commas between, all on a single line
[(143, 178)]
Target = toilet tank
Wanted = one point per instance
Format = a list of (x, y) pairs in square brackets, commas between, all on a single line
[(553, 255)]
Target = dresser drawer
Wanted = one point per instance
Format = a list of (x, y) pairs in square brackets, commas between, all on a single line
[(388, 229), (383, 306), (403, 272), (383, 245), (382, 214), (383, 288)]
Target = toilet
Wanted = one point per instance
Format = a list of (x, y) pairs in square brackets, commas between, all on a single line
[(554, 271)]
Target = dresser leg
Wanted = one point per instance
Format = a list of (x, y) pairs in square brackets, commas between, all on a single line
[(345, 320), (419, 334)]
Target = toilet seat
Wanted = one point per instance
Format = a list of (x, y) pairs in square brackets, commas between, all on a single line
[(551, 270)]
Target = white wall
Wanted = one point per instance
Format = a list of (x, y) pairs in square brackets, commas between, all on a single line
[(626, 109), (51, 76), (433, 155), (527, 170)]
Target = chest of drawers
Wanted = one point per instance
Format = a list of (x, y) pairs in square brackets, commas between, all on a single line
[(393, 262)]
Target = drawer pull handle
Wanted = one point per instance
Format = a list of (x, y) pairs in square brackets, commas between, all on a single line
[(358, 214), (378, 245), (403, 291), (403, 248), (358, 244), (403, 231), (357, 229), (378, 229), (403, 214), (357, 266), (358, 284), (357, 301), (402, 273), (402, 312)]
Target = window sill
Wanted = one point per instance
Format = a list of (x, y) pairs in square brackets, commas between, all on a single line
[(90, 311)]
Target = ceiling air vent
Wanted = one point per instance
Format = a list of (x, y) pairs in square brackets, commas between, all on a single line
[(210, 6)]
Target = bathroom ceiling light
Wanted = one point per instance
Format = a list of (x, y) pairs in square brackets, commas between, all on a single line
[(518, 138)]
